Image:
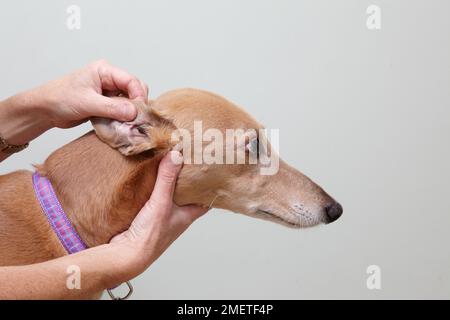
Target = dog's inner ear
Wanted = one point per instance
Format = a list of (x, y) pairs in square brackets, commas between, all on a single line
[(149, 131)]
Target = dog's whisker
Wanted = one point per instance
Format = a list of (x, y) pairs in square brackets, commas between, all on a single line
[(210, 205)]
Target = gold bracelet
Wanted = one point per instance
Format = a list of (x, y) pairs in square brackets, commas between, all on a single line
[(7, 148)]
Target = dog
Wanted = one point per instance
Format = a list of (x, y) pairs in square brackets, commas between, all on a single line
[(103, 178)]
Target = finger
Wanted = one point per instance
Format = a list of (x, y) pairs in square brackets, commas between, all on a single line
[(101, 106), (168, 171), (113, 78), (145, 87)]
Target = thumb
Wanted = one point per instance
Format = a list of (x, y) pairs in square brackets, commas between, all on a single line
[(168, 171), (160, 202), (106, 107)]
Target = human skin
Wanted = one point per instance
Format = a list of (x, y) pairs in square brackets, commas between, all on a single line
[(65, 103)]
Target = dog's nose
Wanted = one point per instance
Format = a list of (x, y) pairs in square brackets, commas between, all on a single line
[(333, 211)]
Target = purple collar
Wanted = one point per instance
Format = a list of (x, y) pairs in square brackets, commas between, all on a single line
[(56, 216), (60, 223)]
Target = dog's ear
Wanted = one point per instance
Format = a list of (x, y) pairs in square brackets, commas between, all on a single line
[(149, 131)]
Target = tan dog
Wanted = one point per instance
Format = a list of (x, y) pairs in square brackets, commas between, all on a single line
[(101, 190)]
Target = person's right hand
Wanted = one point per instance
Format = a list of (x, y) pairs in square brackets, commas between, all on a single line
[(160, 221)]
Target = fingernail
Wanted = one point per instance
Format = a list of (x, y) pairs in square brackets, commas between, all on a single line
[(128, 111), (176, 158)]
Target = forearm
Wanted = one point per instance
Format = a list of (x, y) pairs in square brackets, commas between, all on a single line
[(101, 267), (23, 117)]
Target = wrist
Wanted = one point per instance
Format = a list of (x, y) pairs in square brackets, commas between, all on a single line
[(121, 262), (39, 102), (23, 117), (125, 261)]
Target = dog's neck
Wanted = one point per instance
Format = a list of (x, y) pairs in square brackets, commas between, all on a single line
[(100, 190)]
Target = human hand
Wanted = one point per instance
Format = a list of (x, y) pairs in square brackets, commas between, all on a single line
[(69, 101), (160, 221), (72, 99)]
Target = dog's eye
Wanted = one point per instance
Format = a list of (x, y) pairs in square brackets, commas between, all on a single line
[(253, 146), (262, 147)]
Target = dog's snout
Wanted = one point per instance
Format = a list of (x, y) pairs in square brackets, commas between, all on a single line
[(333, 211)]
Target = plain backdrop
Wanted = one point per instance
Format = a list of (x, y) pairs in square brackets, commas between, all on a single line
[(365, 113)]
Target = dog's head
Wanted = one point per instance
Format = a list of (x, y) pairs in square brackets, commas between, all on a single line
[(228, 162)]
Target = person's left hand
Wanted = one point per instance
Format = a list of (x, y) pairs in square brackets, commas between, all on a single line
[(72, 99)]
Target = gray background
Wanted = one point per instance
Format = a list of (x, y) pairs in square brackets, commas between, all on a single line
[(364, 113)]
